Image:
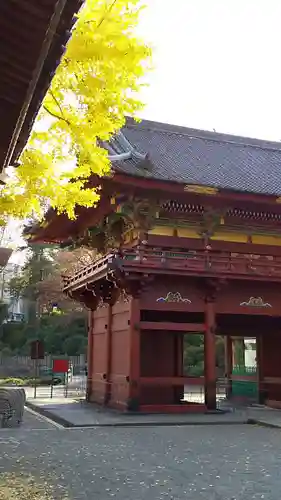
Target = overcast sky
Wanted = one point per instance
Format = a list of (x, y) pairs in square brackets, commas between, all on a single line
[(217, 65)]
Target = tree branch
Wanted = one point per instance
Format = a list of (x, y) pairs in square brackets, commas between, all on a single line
[(58, 105), (104, 16), (56, 116)]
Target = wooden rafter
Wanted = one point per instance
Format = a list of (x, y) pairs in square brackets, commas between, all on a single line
[(27, 48)]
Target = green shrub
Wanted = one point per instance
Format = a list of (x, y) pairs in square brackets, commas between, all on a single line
[(12, 381), (29, 381)]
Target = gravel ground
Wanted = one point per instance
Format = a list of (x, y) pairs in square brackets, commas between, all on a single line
[(154, 463)]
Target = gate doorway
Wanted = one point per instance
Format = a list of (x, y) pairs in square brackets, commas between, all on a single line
[(244, 335)]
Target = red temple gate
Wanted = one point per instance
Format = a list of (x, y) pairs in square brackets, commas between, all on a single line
[(198, 253)]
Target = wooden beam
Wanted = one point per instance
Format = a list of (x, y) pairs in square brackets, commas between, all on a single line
[(174, 408), (173, 327), (170, 381), (272, 380), (170, 187), (225, 246), (32, 8), (197, 306), (47, 39)]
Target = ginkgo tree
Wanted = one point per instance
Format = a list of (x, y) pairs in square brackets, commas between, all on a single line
[(96, 85)]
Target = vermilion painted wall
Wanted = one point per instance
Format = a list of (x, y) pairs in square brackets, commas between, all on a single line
[(113, 338), (158, 359), (98, 331), (235, 295), (120, 353), (110, 356), (271, 365), (191, 293)]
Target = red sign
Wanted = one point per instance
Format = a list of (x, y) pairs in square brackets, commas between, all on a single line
[(60, 365)]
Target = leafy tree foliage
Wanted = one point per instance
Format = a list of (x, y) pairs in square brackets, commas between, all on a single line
[(64, 262), (39, 264), (94, 88), (59, 335), (193, 357), (64, 328)]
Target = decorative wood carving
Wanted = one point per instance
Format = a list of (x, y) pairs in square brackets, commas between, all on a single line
[(140, 213), (255, 302), (197, 189), (173, 297), (212, 219)]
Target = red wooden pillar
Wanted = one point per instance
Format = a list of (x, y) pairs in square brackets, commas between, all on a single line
[(210, 356), (179, 391), (134, 376), (228, 364), (108, 355), (260, 369), (90, 355)]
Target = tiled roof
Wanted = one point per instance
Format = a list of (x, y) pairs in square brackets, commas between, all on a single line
[(192, 156)]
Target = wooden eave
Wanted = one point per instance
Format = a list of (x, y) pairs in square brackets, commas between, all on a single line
[(223, 197), (59, 228), (32, 40)]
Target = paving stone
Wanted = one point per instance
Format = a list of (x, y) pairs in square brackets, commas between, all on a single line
[(238, 462), (76, 414)]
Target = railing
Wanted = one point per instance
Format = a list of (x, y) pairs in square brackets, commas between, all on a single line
[(189, 262), (99, 266), (207, 262)]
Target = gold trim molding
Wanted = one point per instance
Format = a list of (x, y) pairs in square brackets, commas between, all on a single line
[(194, 188)]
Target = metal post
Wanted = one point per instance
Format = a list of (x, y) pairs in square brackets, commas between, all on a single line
[(52, 385), (66, 384), (36, 362), (37, 322)]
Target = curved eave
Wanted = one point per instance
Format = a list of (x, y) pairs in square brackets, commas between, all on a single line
[(58, 228)]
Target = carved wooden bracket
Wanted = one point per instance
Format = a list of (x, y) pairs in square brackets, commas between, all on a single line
[(136, 285), (111, 296), (211, 220), (86, 296)]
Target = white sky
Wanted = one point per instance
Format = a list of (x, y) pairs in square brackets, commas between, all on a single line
[(217, 65)]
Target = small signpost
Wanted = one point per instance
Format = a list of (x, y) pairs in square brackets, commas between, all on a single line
[(37, 352), (61, 365)]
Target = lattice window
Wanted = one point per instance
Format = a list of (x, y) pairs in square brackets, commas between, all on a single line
[(175, 206), (254, 215)]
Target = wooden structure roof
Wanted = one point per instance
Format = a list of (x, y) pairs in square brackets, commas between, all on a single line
[(178, 163), (33, 35), (190, 156)]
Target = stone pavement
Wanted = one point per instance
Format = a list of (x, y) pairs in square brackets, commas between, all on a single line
[(266, 417), (71, 413), (153, 463)]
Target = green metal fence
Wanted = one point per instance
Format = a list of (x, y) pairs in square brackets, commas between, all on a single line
[(243, 386)]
